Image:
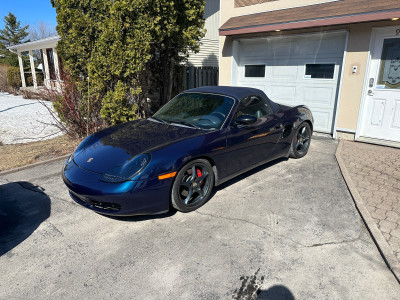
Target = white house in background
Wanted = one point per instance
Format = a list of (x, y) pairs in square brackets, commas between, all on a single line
[(51, 65), (202, 67)]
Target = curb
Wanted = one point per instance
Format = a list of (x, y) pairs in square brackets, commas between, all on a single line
[(386, 252), (34, 165)]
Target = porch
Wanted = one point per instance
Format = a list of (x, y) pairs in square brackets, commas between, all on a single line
[(39, 63)]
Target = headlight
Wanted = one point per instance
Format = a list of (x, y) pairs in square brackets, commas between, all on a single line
[(128, 170), (69, 159)]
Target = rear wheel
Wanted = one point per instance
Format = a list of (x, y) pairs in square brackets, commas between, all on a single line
[(301, 141), (192, 186)]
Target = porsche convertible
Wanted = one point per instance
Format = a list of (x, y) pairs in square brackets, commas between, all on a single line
[(198, 140)]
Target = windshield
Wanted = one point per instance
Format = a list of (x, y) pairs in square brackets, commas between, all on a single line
[(205, 111)]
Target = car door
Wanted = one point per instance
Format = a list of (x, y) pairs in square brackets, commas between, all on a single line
[(248, 145)]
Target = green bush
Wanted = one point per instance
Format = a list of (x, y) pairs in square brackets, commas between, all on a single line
[(29, 80), (14, 77), (117, 106)]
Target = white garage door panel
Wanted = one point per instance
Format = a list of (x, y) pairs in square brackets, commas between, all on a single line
[(322, 97), (285, 60), (322, 120), (283, 94)]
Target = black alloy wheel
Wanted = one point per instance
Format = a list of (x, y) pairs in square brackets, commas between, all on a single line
[(301, 141), (192, 186)]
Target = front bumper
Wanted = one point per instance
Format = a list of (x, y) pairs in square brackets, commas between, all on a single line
[(141, 197)]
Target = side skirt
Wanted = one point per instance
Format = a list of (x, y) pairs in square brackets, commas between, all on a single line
[(223, 180)]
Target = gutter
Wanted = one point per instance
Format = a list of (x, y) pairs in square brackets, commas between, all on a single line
[(328, 21)]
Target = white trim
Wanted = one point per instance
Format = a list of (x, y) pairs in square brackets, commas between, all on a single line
[(364, 91), (234, 61), (339, 93), (219, 43), (378, 142), (345, 130), (292, 35), (278, 9), (33, 45)]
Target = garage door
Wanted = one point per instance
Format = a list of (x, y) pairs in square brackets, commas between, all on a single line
[(293, 70)]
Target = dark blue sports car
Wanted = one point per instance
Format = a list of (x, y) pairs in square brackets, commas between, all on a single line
[(198, 140)]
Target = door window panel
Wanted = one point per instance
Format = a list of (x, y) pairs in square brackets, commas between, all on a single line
[(254, 106), (389, 74)]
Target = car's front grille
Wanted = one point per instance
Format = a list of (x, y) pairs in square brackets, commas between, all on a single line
[(106, 205)]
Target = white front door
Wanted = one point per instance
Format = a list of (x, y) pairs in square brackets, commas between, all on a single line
[(381, 113)]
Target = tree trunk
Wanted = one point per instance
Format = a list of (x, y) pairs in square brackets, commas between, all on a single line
[(170, 79)]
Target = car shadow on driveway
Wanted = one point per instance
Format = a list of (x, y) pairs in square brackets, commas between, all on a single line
[(140, 218), (23, 207)]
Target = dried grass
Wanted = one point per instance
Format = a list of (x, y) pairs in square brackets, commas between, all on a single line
[(17, 155), (39, 94)]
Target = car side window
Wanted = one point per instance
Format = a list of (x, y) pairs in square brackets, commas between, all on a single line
[(254, 106)]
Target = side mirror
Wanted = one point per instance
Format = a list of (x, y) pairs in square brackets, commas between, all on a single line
[(245, 120)]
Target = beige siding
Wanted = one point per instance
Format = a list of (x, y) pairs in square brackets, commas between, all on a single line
[(209, 48), (208, 55), (211, 14)]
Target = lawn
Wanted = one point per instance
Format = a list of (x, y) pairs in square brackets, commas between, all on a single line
[(17, 155)]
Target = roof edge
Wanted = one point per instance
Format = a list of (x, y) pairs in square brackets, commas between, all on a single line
[(55, 38), (329, 21)]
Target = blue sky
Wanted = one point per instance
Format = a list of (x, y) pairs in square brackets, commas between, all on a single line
[(28, 11)]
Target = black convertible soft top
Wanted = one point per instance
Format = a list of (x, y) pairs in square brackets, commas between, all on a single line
[(234, 92)]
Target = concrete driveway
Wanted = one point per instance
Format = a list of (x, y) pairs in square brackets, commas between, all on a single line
[(289, 229)]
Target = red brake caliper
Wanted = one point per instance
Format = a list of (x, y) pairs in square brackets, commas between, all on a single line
[(199, 174)]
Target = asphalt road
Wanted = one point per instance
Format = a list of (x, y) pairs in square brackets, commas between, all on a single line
[(289, 230)]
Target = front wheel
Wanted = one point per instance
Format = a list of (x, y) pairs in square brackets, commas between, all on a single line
[(301, 141), (192, 186)]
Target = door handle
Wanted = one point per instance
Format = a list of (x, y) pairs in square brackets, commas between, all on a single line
[(278, 126), (370, 93)]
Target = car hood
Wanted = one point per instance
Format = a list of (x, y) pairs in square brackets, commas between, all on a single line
[(118, 144)]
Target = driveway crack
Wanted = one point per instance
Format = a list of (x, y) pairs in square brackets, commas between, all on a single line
[(272, 232), (333, 243)]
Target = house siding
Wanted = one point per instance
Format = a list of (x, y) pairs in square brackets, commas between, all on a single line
[(209, 44)]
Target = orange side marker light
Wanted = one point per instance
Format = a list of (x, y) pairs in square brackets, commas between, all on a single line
[(165, 176)]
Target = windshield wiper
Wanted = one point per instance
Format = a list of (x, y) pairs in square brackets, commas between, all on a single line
[(186, 124), (159, 120)]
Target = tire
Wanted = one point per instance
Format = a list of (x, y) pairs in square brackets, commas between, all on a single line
[(190, 191), (301, 141)]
